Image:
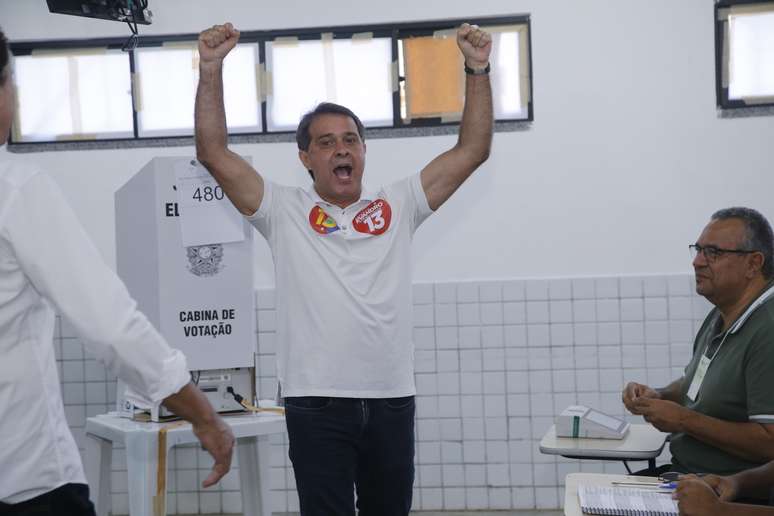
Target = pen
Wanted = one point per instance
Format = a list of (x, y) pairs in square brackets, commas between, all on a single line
[(660, 485), (664, 485), (672, 476)]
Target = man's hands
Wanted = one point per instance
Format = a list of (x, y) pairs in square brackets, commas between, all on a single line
[(214, 434), (215, 43), (726, 487), (475, 45), (699, 496), (216, 437), (667, 416), (645, 401), (634, 391)]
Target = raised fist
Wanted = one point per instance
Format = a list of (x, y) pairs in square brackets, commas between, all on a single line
[(215, 43), (475, 44)]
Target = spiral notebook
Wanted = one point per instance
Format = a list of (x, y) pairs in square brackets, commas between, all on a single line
[(619, 501)]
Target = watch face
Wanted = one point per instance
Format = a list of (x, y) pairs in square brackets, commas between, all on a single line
[(477, 71)]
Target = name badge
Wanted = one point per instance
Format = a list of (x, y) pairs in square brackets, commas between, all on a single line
[(698, 377)]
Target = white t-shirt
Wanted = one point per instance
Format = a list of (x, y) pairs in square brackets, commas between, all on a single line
[(343, 287), (47, 261)]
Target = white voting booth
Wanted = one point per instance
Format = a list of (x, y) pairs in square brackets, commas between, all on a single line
[(186, 256)]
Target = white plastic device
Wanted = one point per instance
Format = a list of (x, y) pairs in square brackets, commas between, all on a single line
[(582, 421)]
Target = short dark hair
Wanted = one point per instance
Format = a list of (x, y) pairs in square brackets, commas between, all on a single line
[(4, 56), (759, 234), (303, 138)]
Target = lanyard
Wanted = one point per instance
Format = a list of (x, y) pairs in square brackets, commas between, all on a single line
[(719, 346), (739, 322)]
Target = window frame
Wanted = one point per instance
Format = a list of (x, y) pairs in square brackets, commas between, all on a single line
[(345, 33), (395, 31), (723, 101)]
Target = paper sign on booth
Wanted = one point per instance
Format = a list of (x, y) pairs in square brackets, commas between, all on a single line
[(206, 214)]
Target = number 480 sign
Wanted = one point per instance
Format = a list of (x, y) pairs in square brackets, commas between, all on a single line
[(208, 193), (206, 215)]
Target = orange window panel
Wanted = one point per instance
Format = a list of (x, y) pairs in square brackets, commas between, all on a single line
[(434, 81)]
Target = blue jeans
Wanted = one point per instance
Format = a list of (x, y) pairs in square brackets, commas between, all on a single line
[(338, 443)]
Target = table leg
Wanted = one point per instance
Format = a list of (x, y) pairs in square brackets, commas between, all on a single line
[(142, 470), (98, 462), (254, 463)]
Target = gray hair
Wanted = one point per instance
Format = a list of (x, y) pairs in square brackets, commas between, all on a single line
[(759, 235)]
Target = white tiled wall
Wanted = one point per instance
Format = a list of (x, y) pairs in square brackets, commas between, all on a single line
[(495, 361)]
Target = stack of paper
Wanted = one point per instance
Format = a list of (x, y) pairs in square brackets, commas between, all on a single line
[(617, 501)]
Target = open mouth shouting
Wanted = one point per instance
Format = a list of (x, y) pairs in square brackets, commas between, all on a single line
[(343, 172)]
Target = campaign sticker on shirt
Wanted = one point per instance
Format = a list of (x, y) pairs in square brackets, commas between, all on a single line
[(374, 219), (321, 221)]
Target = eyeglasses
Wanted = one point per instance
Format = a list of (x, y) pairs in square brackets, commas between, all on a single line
[(712, 253)]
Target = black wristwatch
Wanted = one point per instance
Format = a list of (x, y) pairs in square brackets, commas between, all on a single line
[(480, 71)]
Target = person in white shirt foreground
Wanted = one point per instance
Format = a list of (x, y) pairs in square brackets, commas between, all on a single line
[(48, 262)]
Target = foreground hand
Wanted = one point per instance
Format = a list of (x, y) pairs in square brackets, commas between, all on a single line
[(216, 42), (475, 45), (633, 391), (667, 416), (217, 439), (726, 487), (696, 497)]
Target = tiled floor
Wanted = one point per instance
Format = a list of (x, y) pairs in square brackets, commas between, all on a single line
[(489, 513), (454, 513)]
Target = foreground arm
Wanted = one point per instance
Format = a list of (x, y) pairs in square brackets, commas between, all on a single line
[(63, 266), (442, 176), (755, 483), (214, 434), (238, 179), (697, 497)]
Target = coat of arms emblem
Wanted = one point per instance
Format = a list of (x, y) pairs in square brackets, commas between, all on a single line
[(204, 260)]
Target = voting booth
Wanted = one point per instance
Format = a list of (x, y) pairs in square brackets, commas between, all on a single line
[(186, 255)]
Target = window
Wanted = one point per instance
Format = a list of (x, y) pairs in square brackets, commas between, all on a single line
[(393, 76), (744, 40), (427, 63), (355, 72), (166, 80), (81, 94)]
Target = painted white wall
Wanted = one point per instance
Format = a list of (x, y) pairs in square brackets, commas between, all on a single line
[(622, 167)]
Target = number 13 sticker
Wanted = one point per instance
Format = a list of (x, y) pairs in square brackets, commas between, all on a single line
[(374, 219)]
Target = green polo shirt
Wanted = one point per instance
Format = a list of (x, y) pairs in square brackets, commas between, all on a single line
[(738, 386)]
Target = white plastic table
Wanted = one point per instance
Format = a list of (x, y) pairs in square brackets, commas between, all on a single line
[(146, 467), (642, 442)]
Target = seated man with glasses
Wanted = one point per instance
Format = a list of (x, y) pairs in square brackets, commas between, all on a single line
[(721, 412)]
